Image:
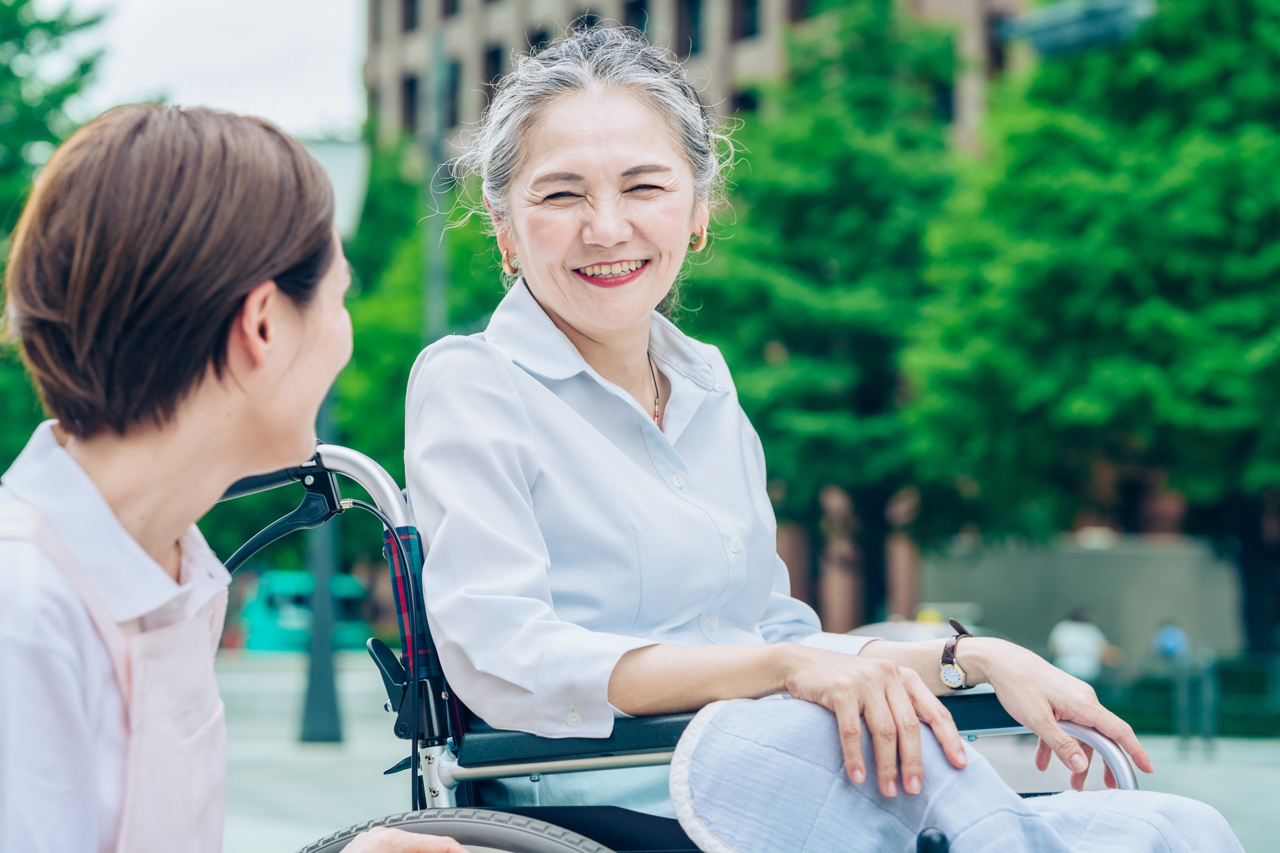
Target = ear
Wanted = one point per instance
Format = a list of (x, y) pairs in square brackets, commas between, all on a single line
[(701, 217), (253, 329), (499, 229)]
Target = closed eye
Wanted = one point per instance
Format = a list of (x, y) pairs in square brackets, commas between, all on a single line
[(644, 187), (560, 195)]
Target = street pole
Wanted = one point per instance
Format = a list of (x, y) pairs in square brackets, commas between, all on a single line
[(321, 719), (436, 301)]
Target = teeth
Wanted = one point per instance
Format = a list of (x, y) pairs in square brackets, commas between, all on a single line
[(610, 270)]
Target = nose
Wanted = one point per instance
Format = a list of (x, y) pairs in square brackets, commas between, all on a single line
[(607, 226)]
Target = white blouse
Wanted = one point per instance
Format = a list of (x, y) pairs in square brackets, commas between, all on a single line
[(564, 528), (63, 737)]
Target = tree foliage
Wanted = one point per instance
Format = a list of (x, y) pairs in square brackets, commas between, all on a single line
[(1107, 278)]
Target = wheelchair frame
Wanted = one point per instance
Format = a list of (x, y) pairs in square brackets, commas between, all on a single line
[(444, 754)]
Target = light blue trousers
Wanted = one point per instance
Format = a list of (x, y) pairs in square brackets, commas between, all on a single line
[(767, 776)]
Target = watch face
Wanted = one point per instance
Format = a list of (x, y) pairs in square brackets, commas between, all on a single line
[(952, 676)]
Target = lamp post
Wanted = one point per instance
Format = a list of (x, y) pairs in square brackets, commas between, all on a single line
[(436, 295), (347, 164)]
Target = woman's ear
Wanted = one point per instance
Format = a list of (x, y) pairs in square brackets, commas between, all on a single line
[(253, 330), (701, 217), (499, 229)]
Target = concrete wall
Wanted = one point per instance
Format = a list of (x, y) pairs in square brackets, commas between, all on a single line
[(1129, 588)]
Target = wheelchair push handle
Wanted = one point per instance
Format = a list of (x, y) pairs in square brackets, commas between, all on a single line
[(262, 483)]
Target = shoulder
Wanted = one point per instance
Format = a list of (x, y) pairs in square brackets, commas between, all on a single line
[(39, 610), (709, 353), (475, 384), (460, 360)]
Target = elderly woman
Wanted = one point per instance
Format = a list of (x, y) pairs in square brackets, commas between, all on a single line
[(600, 540)]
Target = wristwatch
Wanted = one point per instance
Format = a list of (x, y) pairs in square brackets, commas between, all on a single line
[(948, 670)]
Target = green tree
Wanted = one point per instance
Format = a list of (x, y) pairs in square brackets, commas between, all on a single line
[(1108, 286), (32, 121), (816, 277)]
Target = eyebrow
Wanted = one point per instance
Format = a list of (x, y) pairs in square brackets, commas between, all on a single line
[(571, 177)]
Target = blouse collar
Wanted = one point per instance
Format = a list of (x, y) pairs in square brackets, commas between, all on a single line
[(521, 329)]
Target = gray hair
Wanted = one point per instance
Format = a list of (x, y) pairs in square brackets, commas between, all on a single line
[(603, 57)]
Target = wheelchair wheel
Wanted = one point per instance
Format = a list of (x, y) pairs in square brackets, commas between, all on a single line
[(478, 830)]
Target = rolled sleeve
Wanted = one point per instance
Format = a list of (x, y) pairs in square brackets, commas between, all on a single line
[(471, 464)]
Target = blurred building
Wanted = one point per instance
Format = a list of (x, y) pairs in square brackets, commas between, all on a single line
[(727, 44)]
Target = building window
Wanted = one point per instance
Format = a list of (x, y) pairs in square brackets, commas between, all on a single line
[(745, 101), (492, 71), (996, 56), (408, 15), (746, 19), (448, 8), (452, 94), (798, 10), (375, 21), (584, 21), (688, 27), (635, 13), (409, 104), (538, 39)]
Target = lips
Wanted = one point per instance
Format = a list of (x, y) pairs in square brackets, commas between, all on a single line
[(612, 274)]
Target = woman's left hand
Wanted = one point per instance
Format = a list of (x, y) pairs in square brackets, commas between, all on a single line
[(1038, 695)]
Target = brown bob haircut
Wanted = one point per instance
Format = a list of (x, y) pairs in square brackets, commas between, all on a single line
[(143, 236)]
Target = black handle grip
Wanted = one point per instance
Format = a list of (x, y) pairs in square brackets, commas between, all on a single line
[(265, 482)]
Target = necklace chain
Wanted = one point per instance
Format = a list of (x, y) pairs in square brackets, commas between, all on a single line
[(654, 374)]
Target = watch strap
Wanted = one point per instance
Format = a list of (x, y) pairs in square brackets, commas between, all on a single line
[(949, 648)]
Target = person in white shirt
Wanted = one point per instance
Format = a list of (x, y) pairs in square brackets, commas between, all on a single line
[(1077, 646), (176, 284), (600, 540)]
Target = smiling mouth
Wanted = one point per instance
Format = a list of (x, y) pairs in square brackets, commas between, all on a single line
[(608, 271)]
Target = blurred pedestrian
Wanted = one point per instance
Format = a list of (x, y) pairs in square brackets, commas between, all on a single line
[(1077, 646)]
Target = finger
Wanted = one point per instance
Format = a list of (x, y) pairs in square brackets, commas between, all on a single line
[(1063, 745), (1077, 779), (938, 718), (1043, 756), (1122, 733), (884, 739), (849, 721), (1110, 778), (909, 756)]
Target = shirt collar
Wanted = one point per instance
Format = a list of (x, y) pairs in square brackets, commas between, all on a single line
[(128, 580), (525, 334)]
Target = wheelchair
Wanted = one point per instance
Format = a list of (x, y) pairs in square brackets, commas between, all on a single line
[(450, 748)]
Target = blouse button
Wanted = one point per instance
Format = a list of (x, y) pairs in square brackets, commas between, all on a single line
[(573, 720), (678, 481), (712, 624), (735, 544)]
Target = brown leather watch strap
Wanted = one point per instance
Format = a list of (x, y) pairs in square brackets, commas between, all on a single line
[(949, 649)]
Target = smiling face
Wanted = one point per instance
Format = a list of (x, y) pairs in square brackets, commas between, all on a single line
[(601, 213)]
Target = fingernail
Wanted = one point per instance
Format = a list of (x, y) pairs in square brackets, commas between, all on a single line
[(964, 758), (859, 777), (1078, 763), (913, 785), (891, 788)]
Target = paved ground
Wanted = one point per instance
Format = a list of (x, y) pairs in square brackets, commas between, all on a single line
[(282, 794)]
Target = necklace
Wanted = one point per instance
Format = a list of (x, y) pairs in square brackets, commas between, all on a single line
[(653, 373)]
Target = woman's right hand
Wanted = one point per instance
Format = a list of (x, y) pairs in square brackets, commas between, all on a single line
[(380, 839), (892, 699)]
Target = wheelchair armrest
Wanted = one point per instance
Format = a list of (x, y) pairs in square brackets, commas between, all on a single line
[(979, 714), (484, 746)]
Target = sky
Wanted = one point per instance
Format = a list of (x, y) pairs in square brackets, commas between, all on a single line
[(294, 62)]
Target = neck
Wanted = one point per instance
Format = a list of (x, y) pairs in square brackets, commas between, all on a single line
[(159, 481), (620, 356)]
